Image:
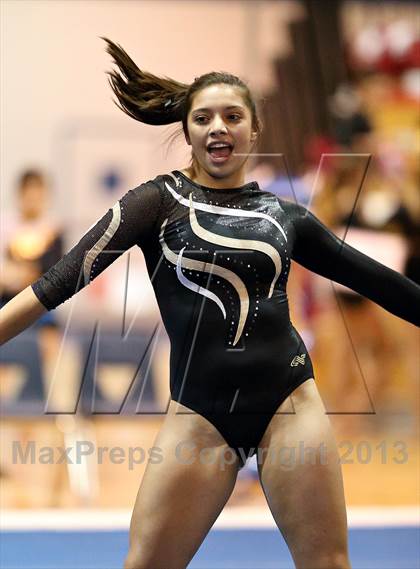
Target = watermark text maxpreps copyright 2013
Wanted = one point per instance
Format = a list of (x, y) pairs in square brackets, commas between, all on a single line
[(186, 452)]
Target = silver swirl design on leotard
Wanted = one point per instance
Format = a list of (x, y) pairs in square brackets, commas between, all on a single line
[(234, 243), (175, 179), (193, 265), (102, 242), (219, 210), (196, 287)]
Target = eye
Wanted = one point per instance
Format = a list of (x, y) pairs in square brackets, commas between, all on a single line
[(200, 119), (234, 116)]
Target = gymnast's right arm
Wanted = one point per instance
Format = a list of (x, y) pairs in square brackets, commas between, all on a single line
[(129, 222)]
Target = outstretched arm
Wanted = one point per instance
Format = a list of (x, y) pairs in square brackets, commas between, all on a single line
[(19, 313), (319, 250), (131, 221)]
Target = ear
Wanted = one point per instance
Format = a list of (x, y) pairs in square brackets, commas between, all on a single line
[(254, 135)]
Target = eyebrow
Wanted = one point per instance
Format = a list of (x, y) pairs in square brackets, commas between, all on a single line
[(203, 110)]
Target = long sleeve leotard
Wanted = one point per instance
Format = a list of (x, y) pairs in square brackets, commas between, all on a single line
[(219, 261)]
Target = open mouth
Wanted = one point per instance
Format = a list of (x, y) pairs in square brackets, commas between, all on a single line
[(219, 151)]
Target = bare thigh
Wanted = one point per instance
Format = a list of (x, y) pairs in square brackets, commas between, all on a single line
[(301, 477), (182, 492)]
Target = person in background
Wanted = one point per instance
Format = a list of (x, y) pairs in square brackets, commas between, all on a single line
[(31, 243)]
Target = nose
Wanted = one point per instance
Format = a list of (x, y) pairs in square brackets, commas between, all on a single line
[(218, 126)]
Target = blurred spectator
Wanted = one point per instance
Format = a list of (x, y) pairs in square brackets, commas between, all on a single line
[(350, 122), (31, 242)]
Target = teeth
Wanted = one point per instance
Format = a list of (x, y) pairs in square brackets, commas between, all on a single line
[(219, 145)]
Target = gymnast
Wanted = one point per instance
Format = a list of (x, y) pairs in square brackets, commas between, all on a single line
[(218, 252)]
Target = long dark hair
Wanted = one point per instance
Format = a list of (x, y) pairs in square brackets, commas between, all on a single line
[(161, 100)]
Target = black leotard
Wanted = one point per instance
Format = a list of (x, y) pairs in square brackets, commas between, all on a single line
[(219, 260)]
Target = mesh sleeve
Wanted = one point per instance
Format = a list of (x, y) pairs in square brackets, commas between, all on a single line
[(321, 251), (131, 221)]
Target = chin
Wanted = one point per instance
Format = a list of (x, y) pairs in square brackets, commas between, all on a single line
[(222, 171)]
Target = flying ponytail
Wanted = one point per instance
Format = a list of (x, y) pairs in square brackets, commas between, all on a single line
[(142, 95)]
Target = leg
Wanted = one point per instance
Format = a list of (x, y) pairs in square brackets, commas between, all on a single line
[(181, 495), (304, 490)]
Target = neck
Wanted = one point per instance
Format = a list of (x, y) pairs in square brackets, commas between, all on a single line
[(200, 176)]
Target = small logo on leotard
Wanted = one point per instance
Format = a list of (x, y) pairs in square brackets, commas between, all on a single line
[(298, 360)]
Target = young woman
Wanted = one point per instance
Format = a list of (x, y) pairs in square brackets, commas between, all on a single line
[(218, 252)]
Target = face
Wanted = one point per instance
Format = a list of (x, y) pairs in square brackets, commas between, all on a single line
[(220, 130), (32, 200)]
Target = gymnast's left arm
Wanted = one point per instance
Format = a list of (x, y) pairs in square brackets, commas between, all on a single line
[(321, 251)]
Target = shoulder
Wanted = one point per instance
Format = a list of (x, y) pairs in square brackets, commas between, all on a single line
[(141, 201), (156, 185), (288, 205), (294, 210), (150, 186), (151, 198), (147, 192), (161, 179), (302, 219)]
